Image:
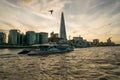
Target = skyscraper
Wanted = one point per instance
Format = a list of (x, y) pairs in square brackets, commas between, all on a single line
[(2, 38), (43, 38), (30, 37), (14, 37), (62, 28)]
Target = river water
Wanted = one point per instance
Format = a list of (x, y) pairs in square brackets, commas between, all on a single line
[(95, 63)]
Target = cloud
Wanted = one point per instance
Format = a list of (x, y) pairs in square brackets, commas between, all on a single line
[(23, 3), (89, 18)]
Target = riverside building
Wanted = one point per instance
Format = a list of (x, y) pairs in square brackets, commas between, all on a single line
[(2, 38), (30, 37), (14, 37)]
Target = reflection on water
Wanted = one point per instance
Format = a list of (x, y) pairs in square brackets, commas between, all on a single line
[(97, 63)]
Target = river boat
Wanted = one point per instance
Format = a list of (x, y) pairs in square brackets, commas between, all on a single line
[(25, 51), (51, 49)]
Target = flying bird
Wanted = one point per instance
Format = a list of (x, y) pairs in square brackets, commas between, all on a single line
[(51, 11)]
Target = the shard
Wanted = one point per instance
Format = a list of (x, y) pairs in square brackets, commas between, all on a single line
[(62, 28)]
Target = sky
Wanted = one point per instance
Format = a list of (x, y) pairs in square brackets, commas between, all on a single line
[(91, 19)]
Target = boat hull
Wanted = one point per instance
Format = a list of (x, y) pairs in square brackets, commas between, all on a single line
[(48, 49), (47, 52), (25, 51)]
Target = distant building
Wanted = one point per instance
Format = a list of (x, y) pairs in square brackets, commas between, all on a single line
[(30, 37), (14, 37), (78, 38), (54, 37), (37, 38), (95, 42), (90, 44), (102, 43), (79, 42), (62, 28), (43, 37), (22, 39), (109, 42), (2, 38)]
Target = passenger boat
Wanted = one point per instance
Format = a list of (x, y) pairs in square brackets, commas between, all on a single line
[(25, 51), (49, 49)]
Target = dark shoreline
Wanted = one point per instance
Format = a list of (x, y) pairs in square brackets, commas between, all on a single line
[(17, 46)]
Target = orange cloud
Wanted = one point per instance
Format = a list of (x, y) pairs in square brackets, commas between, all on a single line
[(74, 32), (26, 2)]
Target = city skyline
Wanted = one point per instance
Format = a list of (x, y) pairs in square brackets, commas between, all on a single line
[(89, 18), (31, 38)]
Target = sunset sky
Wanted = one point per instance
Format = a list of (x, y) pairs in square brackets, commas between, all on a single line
[(89, 18)]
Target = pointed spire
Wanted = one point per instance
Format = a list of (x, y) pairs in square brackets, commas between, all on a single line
[(62, 28)]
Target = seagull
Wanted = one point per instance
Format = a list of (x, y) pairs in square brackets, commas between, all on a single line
[(51, 11)]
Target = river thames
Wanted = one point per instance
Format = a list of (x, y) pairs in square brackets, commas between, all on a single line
[(94, 63)]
